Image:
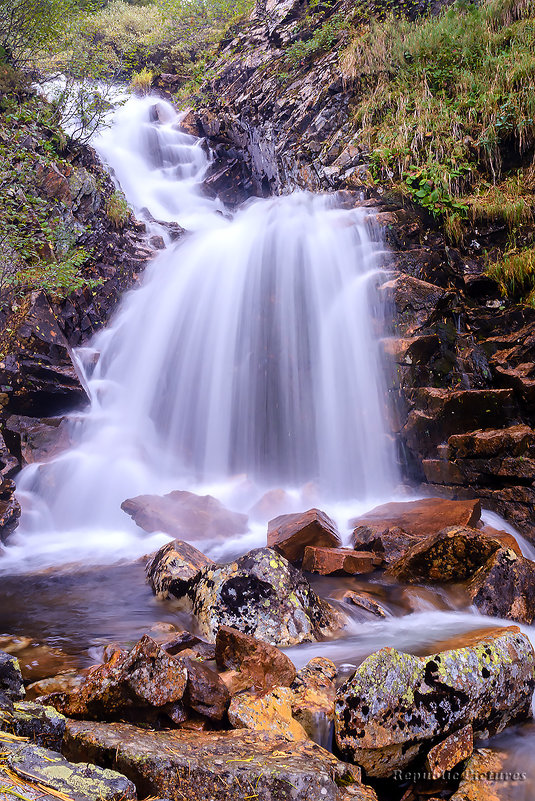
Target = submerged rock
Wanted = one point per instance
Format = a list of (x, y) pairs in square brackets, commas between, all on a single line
[(185, 516), (485, 778), (170, 570), (263, 595), (505, 587), (218, 766), (290, 534), (453, 554), (396, 704), (262, 665)]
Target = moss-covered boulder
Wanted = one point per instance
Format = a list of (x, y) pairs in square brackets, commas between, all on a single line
[(261, 594), (395, 705)]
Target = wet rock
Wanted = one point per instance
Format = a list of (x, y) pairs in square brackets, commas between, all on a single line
[(364, 602), (146, 676), (170, 570), (185, 516), (388, 544), (263, 665), (41, 724), (39, 440), (314, 694), (206, 693), (11, 683), (505, 587), (423, 517), (274, 502), (10, 510), (187, 642), (444, 756), (290, 534), (515, 440), (395, 704), (62, 683), (339, 561), (262, 595), (80, 782), (218, 766), (414, 301), (270, 712), (453, 554)]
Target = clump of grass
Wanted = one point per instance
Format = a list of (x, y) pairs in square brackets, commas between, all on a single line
[(510, 202), (117, 209), (446, 98), (141, 82), (515, 275)]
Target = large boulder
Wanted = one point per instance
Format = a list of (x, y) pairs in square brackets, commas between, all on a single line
[(423, 517), (185, 516), (290, 534), (263, 595), (271, 712), (170, 570), (216, 766), (453, 554), (505, 587), (263, 665), (397, 705)]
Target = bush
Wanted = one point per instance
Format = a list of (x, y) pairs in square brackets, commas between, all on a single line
[(29, 28), (141, 82), (117, 209)]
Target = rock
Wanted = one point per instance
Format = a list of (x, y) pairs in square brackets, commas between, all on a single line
[(170, 569), (144, 677), (62, 683), (290, 534), (264, 665), (340, 561), (10, 510), (485, 778), (365, 602), (274, 502), (262, 595), (185, 641), (11, 683), (389, 544), (41, 724), (270, 712), (515, 441), (453, 554), (216, 766), (414, 301), (396, 704), (444, 756), (206, 693), (81, 782), (507, 540), (505, 587), (423, 517), (314, 694), (185, 516), (39, 440)]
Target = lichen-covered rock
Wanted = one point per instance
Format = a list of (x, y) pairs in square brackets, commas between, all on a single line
[(271, 712), (81, 782), (263, 595), (395, 704), (41, 724), (505, 587), (261, 664), (11, 684), (446, 754), (290, 534), (453, 554), (170, 570), (218, 766)]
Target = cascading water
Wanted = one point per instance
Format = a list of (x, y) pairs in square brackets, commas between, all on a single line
[(249, 349)]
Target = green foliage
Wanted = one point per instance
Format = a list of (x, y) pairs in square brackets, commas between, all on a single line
[(320, 41), (515, 274), (442, 100), (141, 82), (117, 209), (28, 28)]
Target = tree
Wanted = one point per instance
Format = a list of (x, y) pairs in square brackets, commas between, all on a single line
[(29, 27)]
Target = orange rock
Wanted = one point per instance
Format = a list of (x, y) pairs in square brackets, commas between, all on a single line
[(327, 561), (423, 517), (290, 534), (454, 749)]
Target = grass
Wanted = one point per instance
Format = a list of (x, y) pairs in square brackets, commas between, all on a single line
[(141, 82), (117, 209), (515, 275)]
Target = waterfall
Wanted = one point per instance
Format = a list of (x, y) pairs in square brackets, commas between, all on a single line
[(249, 349)]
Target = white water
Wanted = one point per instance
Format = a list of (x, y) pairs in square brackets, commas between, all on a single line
[(246, 360)]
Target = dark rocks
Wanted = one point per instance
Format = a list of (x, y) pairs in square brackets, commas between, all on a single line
[(205, 691), (339, 561), (39, 440), (170, 570), (388, 544), (218, 766), (262, 665), (395, 703), (263, 595), (11, 684), (185, 516), (505, 587), (41, 724), (290, 534), (10, 510), (453, 554)]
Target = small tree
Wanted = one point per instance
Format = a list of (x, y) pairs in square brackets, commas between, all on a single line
[(28, 27)]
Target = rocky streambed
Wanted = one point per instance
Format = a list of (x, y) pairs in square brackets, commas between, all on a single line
[(265, 677)]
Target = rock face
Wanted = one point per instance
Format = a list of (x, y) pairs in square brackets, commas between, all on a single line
[(11, 684), (314, 693), (170, 570), (263, 595), (505, 587), (290, 534), (38, 440), (262, 664), (236, 764), (453, 554), (396, 704), (339, 561), (185, 516)]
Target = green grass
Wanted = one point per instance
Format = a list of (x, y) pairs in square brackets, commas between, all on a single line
[(515, 274)]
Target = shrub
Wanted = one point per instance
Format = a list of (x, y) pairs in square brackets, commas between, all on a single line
[(28, 28), (117, 209), (141, 82)]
